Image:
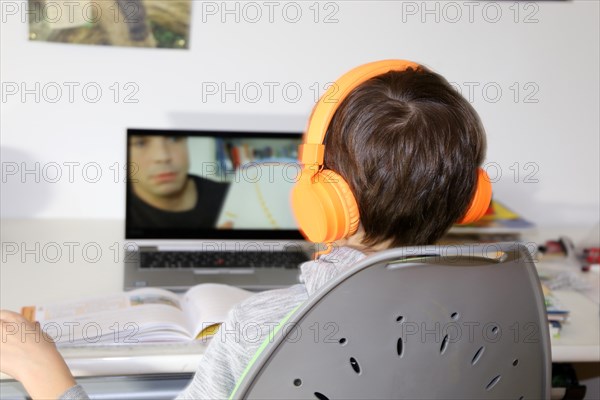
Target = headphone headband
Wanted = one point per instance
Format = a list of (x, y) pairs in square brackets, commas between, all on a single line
[(312, 151)]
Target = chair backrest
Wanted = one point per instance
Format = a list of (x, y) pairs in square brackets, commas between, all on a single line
[(451, 322)]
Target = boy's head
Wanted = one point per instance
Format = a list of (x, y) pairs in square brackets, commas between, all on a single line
[(400, 153), (409, 147)]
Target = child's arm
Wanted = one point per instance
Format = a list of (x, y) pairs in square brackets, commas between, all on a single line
[(30, 356)]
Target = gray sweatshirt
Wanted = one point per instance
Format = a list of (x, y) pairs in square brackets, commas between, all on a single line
[(248, 324)]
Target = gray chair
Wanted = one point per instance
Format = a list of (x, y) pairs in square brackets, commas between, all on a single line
[(450, 322)]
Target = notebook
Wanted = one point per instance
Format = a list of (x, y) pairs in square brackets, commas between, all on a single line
[(211, 206)]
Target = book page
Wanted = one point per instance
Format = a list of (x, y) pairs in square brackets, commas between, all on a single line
[(151, 323), (141, 315), (207, 304), (104, 304)]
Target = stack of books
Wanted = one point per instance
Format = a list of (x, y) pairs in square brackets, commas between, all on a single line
[(499, 224), (557, 313)]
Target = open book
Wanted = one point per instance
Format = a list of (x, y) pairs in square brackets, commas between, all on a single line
[(138, 316)]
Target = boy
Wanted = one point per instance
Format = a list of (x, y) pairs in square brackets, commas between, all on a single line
[(408, 146)]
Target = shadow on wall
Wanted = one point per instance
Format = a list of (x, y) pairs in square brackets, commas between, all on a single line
[(237, 122), (26, 184)]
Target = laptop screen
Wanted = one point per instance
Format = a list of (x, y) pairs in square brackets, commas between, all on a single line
[(210, 184)]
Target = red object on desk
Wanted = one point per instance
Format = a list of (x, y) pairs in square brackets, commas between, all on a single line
[(555, 247), (592, 255)]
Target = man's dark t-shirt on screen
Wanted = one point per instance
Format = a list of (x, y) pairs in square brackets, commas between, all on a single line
[(211, 196)]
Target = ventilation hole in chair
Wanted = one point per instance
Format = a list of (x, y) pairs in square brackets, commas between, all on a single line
[(400, 347), (444, 345), (477, 355), (454, 315), (495, 330), (493, 383), (521, 398), (354, 365), (321, 396), (400, 319), (342, 341), (298, 382), (515, 362)]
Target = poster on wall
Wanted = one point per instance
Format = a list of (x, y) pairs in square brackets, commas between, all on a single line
[(137, 23)]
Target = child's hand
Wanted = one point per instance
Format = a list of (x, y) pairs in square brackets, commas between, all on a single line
[(30, 356)]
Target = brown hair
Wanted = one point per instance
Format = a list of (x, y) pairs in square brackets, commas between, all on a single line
[(409, 145)]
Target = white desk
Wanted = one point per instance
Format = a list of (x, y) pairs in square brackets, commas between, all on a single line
[(580, 336), (33, 273)]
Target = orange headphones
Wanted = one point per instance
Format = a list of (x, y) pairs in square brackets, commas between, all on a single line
[(322, 201)]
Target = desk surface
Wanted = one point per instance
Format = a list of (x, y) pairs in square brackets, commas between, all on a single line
[(53, 260)]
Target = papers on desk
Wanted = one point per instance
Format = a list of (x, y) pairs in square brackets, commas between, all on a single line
[(570, 294)]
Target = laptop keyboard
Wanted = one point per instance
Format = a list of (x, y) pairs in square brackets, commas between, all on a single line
[(222, 259)]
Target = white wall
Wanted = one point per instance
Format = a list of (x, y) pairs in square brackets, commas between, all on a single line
[(554, 58)]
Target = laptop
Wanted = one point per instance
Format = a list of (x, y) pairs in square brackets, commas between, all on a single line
[(212, 206)]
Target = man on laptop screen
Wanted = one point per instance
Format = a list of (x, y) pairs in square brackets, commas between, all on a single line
[(199, 184), (162, 191)]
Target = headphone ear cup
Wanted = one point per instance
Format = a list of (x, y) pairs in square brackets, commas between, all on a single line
[(481, 199), (348, 214), (325, 207)]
